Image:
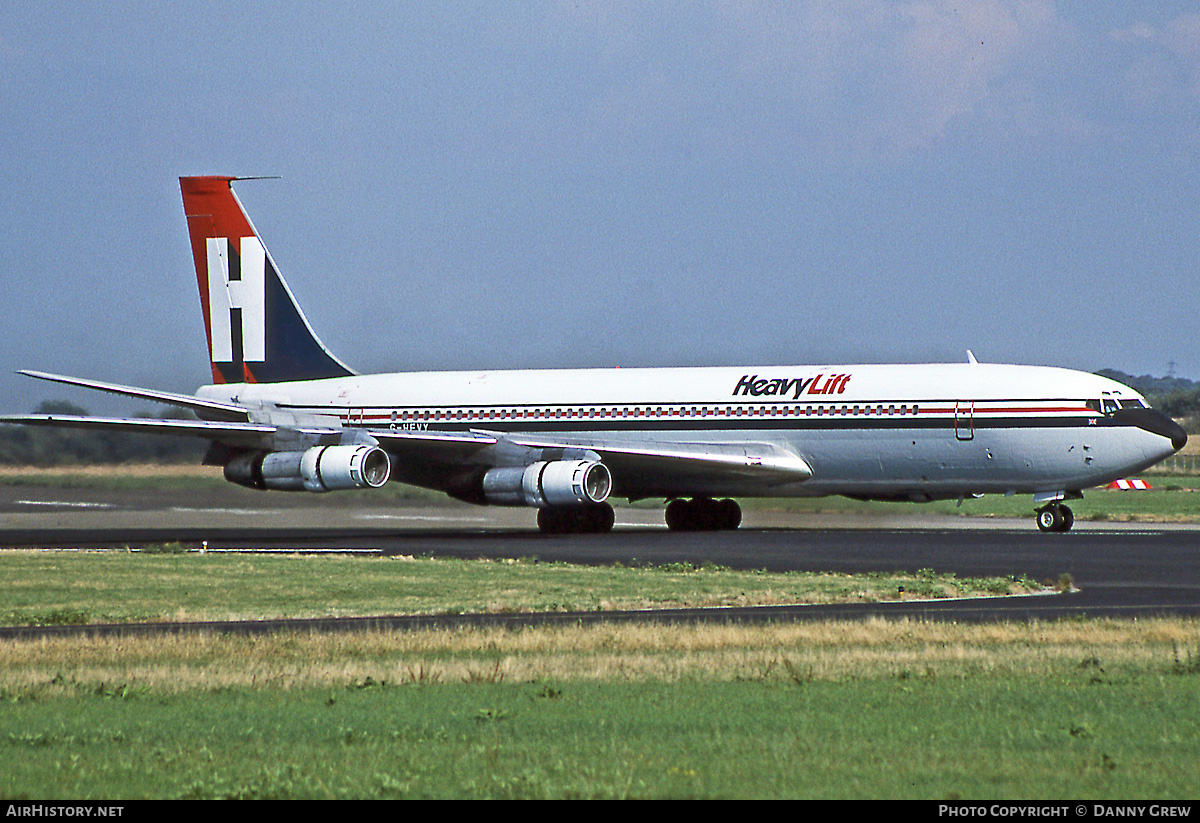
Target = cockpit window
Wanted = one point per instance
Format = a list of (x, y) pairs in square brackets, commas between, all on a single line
[(1109, 405)]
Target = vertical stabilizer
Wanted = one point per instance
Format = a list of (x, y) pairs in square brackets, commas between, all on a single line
[(256, 330)]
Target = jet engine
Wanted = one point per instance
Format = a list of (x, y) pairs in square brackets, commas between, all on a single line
[(319, 469), (548, 483)]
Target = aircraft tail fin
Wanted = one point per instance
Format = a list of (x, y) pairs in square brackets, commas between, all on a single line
[(255, 328)]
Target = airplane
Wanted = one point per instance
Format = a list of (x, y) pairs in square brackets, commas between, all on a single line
[(283, 413)]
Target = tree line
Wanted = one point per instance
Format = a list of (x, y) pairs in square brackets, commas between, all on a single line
[(45, 446)]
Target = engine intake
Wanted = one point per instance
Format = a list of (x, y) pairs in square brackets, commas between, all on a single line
[(548, 483), (319, 469)]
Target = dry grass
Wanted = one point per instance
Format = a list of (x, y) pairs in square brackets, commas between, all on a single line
[(140, 470), (632, 652)]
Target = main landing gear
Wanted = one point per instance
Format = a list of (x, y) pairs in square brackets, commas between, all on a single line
[(703, 515), (592, 519), (1055, 518)]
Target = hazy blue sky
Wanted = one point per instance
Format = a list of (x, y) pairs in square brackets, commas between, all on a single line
[(513, 185)]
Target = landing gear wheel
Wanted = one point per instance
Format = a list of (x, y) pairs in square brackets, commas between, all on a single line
[(1049, 519), (1068, 518), (703, 515), (593, 519), (678, 515), (729, 514), (1055, 518)]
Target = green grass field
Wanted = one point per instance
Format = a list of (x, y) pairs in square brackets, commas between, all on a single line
[(879, 709), (875, 708), (57, 587)]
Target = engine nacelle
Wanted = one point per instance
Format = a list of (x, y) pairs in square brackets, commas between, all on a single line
[(548, 483), (319, 469)]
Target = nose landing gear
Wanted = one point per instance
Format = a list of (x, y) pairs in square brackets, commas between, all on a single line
[(1055, 518)]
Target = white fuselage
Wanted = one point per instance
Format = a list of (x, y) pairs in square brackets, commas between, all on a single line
[(886, 431)]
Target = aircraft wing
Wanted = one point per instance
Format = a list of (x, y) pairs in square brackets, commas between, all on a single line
[(433, 445), (651, 461), (765, 462)]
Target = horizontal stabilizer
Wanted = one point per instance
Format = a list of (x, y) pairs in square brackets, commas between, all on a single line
[(207, 409), (249, 435)]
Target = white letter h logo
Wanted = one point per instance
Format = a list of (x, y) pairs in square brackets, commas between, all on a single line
[(237, 301)]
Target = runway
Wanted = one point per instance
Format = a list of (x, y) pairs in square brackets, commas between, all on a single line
[(1119, 570)]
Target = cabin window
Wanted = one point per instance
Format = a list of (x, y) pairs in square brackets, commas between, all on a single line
[(1108, 405)]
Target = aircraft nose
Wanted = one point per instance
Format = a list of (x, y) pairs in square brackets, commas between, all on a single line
[(1152, 420)]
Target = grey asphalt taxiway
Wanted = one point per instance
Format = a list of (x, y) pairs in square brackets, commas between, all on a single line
[(1117, 570)]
